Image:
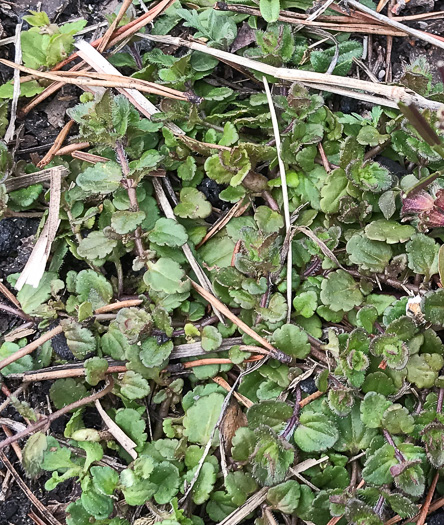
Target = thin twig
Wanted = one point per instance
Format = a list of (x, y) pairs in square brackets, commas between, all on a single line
[(119, 435), (60, 139), (420, 35), (426, 505), (388, 95), (101, 81), (46, 421), (29, 348), (215, 428), (9, 135)]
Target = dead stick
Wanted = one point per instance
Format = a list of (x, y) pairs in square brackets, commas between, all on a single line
[(425, 508), (60, 139), (46, 421), (71, 148), (28, 349), (117, 306)]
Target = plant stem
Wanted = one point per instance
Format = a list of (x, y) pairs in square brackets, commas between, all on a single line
[(379, 505), (15, 312), (294, 420), (128, 184), (440, 400), (398, 454), (386, 280)]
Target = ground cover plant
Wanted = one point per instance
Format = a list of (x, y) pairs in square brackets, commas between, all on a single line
[(227, 304)]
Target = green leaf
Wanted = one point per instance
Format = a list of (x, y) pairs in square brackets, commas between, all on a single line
[(101, 178), (397, 420), (134, 323), (401, 505), (332, 478), (96, 246), (243, 444), (378, 464), (271, 413), (95, 369), (114, 343), (272, 458), (24, 364), (306, 303), (204, 484), (432, 306), (33, 454), (353, 434), (211, 338), (80, 340), (76, 514), (31, 298), (357, 512), (370, 136), (201, 418), (369, 176), (285, 496), (105, 479), (431, 435), (132, 423), (372, 409), (94, 288), (65, 391), (368, 254), (320, 60), (165, 276), (291, 340), (239, 486), (221, 167), (168, 232), (230, 135), (390, 232), (268, 220), (98, 505), (411, 481), (193, 204), (422, 370), (340, 401), (339, 291), (334, 188), (123, 222), (134, 386), (422, 253), (187, 169), (165, 478), (149, 160), (153, 354), (391, 349), (121, 112), (270, 10), (315, 432), (38, 19), (135, 491)]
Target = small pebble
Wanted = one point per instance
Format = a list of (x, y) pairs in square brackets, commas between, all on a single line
[(308, 386), (381, 74), (9, 509)]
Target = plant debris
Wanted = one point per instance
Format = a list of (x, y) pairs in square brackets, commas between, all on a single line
[(222, 295)]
